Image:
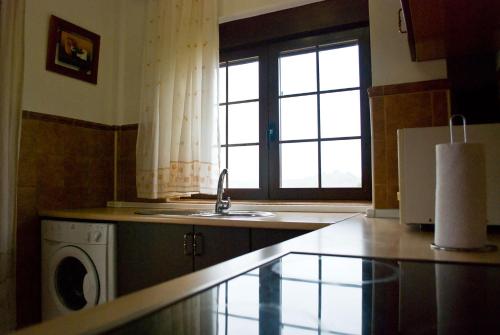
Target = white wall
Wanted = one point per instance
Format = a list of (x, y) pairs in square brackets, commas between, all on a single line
[(391, 61), (130, 29), (51, 93), (120, 23)]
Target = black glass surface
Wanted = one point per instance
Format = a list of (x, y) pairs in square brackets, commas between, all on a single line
[(319, 294)]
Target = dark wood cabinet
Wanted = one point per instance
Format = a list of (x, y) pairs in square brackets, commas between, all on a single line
[(149, 253), (261, 238), (219, 244), (450, 28)]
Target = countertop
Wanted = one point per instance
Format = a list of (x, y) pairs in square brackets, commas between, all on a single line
[(355, 236), (283, 220)]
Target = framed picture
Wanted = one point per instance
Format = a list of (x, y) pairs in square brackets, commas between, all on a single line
[(72, 50)]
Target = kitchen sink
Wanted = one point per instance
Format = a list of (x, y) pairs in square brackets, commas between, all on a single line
[(236, 213), (203, 213)]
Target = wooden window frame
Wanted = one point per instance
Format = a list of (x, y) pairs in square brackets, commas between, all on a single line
[(268, 55)]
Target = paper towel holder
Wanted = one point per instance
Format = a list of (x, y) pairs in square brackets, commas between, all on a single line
[(486, 247), (464, 126)]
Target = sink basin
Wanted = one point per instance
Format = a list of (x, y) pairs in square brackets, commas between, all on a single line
[(236, 213), (203, 213), (166, 212)]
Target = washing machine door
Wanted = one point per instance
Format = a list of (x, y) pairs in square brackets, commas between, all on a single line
[(74, 282)]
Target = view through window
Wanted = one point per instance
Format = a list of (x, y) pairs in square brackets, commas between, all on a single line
[(294, 119)]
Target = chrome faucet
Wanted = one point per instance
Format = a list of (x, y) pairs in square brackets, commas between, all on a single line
[(222, 205)]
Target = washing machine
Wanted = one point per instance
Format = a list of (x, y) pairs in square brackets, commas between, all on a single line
[(78, 266)]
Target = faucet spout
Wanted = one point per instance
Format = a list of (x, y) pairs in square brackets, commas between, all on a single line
[(222, 205)]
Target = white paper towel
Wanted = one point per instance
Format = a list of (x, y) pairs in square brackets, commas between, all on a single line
[(460, 196)]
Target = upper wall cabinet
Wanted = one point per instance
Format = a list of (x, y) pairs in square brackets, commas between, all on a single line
[(447, 28)]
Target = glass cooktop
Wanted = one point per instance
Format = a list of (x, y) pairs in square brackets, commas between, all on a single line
[(319, 294)]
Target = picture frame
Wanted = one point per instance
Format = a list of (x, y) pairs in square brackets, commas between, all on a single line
[(72, 50)]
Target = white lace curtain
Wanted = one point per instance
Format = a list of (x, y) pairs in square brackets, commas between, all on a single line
[(11, 76), (177, 144)]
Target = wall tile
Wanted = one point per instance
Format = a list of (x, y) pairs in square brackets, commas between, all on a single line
[(62, 164), (417, 105)]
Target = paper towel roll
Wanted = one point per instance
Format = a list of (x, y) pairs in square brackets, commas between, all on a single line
[(460, 196)]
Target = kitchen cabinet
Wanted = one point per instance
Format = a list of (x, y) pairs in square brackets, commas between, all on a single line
[(149, 254), (261, 238), (449, 28)]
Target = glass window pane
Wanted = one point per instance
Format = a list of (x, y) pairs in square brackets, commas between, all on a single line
[(341, 163), (223, 162), (298, 118), (243, 296), (243, 167), (297, 73), (341, 309), (222, 124), (243, 123), (299, 303), (339, 68), (300, 267), (299, 165), (340, 114), (222, 84), (243, 81)]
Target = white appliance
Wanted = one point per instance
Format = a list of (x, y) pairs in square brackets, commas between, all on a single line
[(78, 266), (417, 169)]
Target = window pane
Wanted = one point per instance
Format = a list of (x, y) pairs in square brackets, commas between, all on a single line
[(222, 84), (243, 123), (223, 163), (243, 167), (243, 296), (341, 309), (299, 303), (340, 114), (298, 118), (297, 73), (222, 124), (243, 81), (299, 165), (341, 163), (339, 68)]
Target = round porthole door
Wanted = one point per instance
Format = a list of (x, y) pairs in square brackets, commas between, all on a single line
[(74, 279)]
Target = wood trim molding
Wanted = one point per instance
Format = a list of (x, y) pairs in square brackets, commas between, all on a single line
[(65, 120), (29, 115), (316, 17), (430, 85)]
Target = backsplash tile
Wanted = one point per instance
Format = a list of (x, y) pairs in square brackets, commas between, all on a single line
[(393, 107), (63, 163)]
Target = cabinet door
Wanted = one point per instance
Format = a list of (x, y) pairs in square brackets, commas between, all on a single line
[(261, 238), (149, 254), (218, 244)]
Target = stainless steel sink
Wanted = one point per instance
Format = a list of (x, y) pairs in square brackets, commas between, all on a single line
[(203, 213), (236, 214), (166, 212)]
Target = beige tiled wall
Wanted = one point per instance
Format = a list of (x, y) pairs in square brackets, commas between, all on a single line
[(63, 163), (422, 104)]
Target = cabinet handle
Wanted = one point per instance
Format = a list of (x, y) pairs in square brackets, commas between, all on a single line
[(400, 22), (198, 244), (188, 244)]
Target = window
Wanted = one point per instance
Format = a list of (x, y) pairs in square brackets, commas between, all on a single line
[(294, 118)]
